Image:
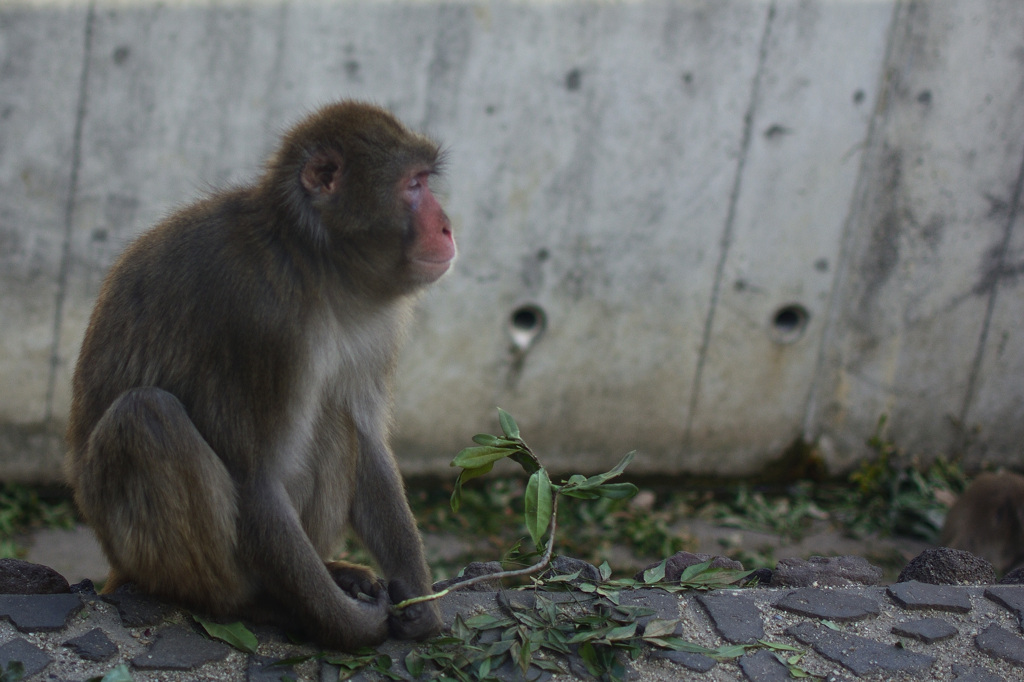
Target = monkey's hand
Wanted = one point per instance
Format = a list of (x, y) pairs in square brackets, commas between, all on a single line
[(418, 621), (358, 581)]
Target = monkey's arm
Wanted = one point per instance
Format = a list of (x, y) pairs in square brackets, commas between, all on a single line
[(291, 570), (383, 521)]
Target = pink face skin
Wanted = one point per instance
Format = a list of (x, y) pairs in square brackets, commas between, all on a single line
[(433, 250)]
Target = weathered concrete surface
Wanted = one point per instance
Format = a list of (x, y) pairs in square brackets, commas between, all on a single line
[(743, 222)]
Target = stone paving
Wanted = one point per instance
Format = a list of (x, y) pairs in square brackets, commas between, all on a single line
[(907, 630)]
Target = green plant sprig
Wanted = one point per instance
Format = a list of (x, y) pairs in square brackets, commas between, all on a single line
[(541, 498), (540, 491)]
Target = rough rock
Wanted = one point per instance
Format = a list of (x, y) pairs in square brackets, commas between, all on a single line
[(762, 666), (914, 595), (818, 571), (734, 615), (945, 566), (39, 612), (998, 642), (861, 655), (473, 570), (680, 561), (31, 657), (833, 605), (563, 565), (928, 630), (92, 646), (176, 648), (23, 577), (1014, 577)]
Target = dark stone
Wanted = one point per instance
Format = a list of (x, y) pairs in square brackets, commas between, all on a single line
[(262, 669), (915, 595), (23, 577), (31, 657), (831, 604), (965, 673), (664, 604), (39, 612), (695, 662), (861, 655), (1008, 596), (473, 570), (998, 642), (85, 587), (841, 571), (761, 576), (176, 648), (734, 615), (562, 565), (1014, 577), (946, 566), (762, 666), (93, 645), (928, 630), (680, 561), (136, 609)]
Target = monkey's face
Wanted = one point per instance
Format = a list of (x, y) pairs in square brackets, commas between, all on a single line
[(430, 246)]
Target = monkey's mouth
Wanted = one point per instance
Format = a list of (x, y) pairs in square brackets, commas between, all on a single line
[(432, 269)]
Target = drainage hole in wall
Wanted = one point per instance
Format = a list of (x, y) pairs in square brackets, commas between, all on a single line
[(789, 323), (526, 324)]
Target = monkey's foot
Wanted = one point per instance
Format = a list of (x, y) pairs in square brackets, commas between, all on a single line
[(357, 581), (418, 621)]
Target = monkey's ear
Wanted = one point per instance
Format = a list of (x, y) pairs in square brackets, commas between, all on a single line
[(322, 173)]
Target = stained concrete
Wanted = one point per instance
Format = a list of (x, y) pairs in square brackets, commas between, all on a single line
[(703, 230)]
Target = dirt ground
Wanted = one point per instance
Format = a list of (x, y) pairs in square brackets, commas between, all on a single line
[(76, 554)]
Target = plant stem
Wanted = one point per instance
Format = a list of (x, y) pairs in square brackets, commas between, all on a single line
[(535, 568)]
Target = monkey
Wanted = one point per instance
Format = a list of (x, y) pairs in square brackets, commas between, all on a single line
[(988, 520), (231, 400)]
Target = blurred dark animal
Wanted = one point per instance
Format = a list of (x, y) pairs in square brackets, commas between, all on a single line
[(988, 520)]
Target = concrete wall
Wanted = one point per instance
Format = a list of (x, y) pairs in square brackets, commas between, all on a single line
[(740, 222)]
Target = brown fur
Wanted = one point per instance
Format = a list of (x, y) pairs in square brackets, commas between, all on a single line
[(232, 396), (988, 520)]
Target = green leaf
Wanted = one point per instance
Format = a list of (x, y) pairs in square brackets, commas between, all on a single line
[(235, 634), (715, 577), (778, 646), (731, 650), (479, 456), (494, 441), (117, 674), (617, 491), (414, 664), (692, 571), (525, 459), (538, 506), (605, 570), (579, 494), (626, 631), (508, 424), (485, 621), (658, 627), (621, 466), (655, 574), (464, 476)]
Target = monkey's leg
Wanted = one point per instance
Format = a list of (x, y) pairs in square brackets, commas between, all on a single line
[(382, 519), (162, 503)]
